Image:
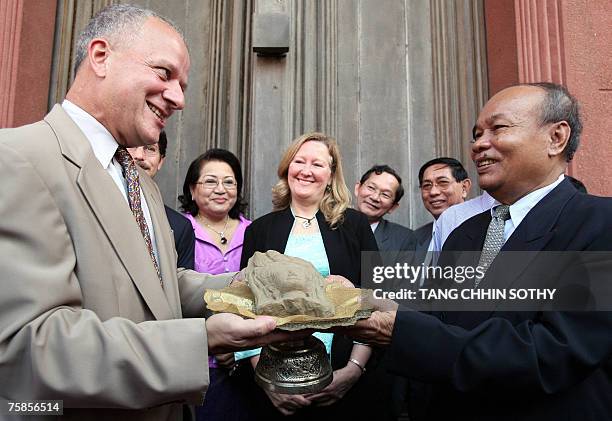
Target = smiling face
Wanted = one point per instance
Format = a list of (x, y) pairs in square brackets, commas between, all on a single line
[(376, 196), (440, 190), (215, 202), (309, 173), (143, 82), (514, 154), (148, 158)]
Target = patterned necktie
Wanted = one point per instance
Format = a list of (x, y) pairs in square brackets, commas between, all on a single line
[(130, 173), (495, 238)]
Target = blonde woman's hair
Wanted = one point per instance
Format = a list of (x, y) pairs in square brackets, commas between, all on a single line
[(336, 198)]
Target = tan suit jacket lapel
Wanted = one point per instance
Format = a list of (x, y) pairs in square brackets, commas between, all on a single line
[(112, 212), (164, 241)]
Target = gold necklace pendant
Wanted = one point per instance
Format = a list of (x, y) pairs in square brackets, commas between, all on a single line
[(221, 234)]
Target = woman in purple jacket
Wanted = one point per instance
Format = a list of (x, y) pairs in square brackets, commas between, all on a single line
[(212, 201)]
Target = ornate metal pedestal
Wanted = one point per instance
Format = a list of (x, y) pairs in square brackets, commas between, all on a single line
[(294, 367)]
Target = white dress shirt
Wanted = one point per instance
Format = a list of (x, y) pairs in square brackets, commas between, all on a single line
[(374, 226), (104, 147), (520, 208)]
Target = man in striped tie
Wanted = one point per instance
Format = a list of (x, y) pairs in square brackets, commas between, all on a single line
[(536, 364), (93, 311)]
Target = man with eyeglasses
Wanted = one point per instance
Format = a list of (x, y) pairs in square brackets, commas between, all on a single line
[(151, 158), (443, 182), (378, 194)]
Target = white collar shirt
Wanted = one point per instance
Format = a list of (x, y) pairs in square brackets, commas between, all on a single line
[(374, 226), (104, 147), (520, 208)]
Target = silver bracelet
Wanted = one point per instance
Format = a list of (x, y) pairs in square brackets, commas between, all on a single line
[(358, 364)]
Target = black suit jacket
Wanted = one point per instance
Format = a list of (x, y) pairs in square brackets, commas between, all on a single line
[(184, 238), (540, 365), (423, 238), (392, 237)]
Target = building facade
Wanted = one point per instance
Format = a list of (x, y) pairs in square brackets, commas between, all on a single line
[(395, 81)]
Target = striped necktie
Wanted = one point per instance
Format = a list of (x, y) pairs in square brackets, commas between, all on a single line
[(130, 173), (494, 240)]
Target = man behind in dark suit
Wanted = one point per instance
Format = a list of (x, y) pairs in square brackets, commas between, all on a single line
[(528, 365), (378, 193), (151, 158), (443, 183)]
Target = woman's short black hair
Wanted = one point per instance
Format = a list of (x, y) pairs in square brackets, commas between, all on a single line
[(193, 175)]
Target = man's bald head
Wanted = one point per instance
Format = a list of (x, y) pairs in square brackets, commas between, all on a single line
[(133, 74), (118, 23)]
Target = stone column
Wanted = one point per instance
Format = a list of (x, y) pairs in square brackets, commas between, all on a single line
[(26, 36), (396, 82), (460, 81)]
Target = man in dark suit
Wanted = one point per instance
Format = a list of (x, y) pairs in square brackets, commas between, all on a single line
[(151, 158), (443, 183), (540, 365), (378, 193)]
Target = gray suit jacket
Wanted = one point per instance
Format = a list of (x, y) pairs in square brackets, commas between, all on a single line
[(392, 239), (83, 317)]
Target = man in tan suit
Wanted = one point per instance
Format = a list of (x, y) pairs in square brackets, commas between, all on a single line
[(84, 315)]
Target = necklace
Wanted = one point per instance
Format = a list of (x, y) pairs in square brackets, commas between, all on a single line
[(222, 238), (307, 221)]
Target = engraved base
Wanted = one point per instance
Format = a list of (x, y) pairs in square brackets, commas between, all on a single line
[(294, 367)]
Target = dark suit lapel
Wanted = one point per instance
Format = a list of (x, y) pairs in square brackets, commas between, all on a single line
[(111, 211), (423, 237), (532, 235), (332, 243), (381, 233), (463, 246), (280, 236)]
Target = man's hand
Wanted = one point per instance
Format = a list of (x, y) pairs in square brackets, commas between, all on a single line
[(343, 380), (287, 404), (375, 330), (229, 332), (337, 279)]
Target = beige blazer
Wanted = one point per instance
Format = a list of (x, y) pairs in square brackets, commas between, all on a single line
[(83, 317)]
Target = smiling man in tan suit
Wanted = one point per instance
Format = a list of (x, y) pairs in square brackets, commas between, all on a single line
[(89, 312)]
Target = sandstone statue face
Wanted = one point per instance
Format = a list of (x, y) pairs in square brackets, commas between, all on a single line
[(286, 286)]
